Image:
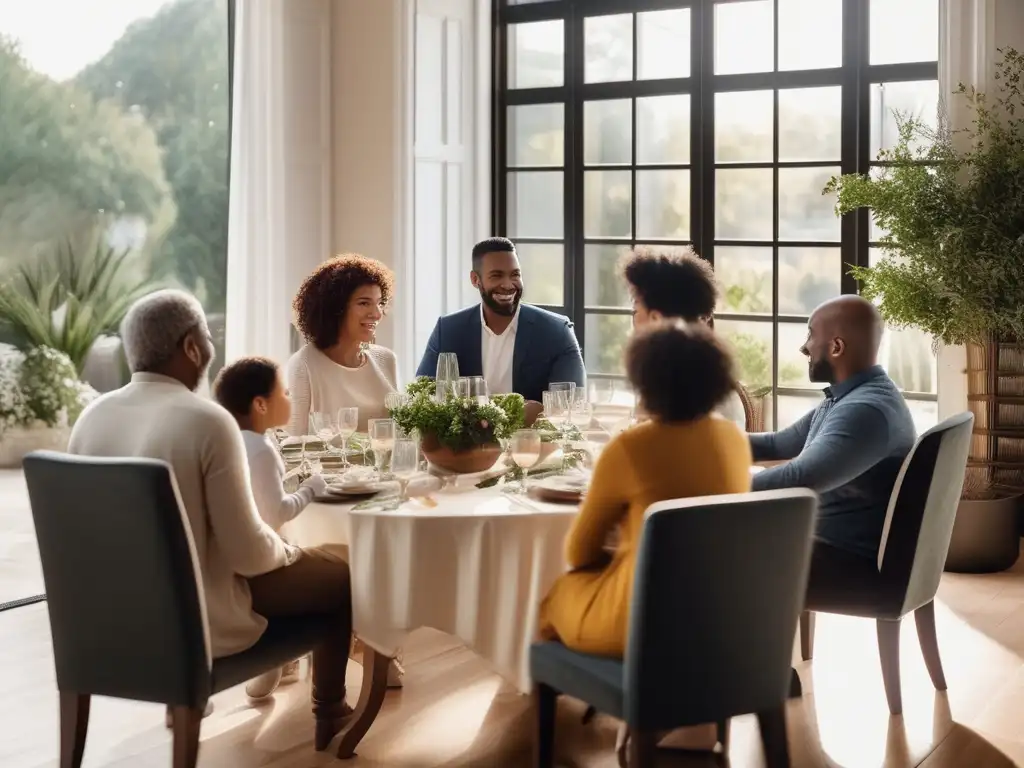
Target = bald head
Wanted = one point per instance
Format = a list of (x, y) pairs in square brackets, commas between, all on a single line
[(843, 339)]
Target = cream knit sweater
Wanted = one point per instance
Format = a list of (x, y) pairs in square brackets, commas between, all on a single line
[(317, 383)]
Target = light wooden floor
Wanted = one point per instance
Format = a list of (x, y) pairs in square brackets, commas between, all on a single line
[(453, 712)]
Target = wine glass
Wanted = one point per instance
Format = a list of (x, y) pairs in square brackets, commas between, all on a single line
[(557, 411), (382, 440), (524, 447), (569, 387), (447, 373), (324, 426), (405, 463), (348, 421)]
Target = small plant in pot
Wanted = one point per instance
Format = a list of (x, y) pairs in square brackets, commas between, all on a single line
[(41, 396), (952, 206), (459, 434)]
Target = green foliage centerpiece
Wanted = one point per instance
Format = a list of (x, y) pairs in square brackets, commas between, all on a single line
[(952, 206), (459, 434)]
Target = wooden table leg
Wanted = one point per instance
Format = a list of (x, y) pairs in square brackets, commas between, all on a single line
[(371, 697)]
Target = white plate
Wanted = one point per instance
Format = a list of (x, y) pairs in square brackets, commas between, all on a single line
[(355, 489)]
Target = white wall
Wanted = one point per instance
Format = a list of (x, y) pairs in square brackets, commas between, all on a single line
[(409, 134), (971, 32)]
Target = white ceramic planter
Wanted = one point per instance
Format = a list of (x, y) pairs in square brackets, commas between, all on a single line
[(17, 442)]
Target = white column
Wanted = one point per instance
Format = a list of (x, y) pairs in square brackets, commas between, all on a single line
[(971, 32)]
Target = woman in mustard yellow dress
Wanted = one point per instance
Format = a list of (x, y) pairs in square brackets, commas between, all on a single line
[(680, 373)]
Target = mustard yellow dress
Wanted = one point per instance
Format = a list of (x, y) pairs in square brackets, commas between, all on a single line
[(588, 608)]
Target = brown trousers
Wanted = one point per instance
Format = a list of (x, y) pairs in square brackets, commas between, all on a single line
[(317, 583)]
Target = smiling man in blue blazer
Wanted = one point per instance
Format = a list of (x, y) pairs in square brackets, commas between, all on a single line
[(516, 347)]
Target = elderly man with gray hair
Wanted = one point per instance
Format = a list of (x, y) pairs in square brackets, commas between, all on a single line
[(249, 573)]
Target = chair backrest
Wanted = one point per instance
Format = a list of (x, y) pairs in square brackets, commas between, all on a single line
[(718, 589), (922, 508), (126, 611)]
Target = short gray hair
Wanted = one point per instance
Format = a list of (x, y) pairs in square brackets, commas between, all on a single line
[(156, 324)]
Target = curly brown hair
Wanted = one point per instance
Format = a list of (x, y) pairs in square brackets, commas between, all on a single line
[(672, 280), (681, 371), (323, 297)]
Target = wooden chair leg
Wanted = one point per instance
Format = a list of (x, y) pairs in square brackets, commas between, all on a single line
[(186, 736), (74, 725), (889, 654), (546, 699), (924, 617), (772, 724), (807, 635), (722, 732), (643, 749)]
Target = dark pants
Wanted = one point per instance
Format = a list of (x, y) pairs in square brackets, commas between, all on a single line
[(317, 583)]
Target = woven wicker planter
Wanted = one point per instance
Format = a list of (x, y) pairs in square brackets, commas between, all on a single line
[(995, 395)]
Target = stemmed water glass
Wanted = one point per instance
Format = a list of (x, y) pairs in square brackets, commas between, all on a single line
[(382, 441), (558, 412), (325, 426), (405, 461), (348, 421), (569, 387), (524, 447)]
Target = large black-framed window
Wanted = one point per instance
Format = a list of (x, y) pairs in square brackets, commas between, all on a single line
[(712, 123)]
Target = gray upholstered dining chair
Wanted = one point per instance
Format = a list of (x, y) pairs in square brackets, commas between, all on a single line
[(717, 592), (126, 613), (915, 540)]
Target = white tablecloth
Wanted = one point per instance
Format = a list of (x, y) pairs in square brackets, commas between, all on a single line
[(475, 566)]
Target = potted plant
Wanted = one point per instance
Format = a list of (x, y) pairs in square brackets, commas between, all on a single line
[(459, 434), (41, 396), (68, 300), (952, 204)]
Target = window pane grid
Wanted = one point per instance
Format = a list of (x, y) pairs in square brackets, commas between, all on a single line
[(789, 248)]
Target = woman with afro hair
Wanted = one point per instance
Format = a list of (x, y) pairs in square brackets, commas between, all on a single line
[(337, 310)]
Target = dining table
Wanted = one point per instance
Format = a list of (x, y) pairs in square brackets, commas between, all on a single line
[(468, 561)]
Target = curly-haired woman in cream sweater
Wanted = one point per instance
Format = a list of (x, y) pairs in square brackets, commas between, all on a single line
[(337, 310)]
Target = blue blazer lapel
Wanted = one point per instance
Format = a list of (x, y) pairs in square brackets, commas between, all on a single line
[(471, 362)]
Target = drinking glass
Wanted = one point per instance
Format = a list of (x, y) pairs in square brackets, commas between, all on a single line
[(382, 440), (462, 387), (524, 447), (324, 426), (478, 389), (348, 420), (405, 461), (447, 373), (569, 387), (557, 410)]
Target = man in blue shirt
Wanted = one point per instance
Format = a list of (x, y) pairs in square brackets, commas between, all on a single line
[(850, 448)]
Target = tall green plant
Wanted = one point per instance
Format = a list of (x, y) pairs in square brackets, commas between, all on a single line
[(953, 204), (67, 301)]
